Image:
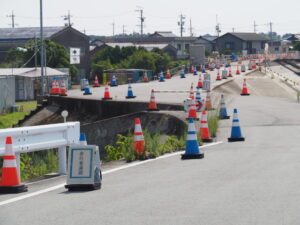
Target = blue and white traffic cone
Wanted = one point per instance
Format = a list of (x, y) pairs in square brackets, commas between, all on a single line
[(130, 92), (195, 72), (192, 147), (223, 111), (199, 102), (182, 75), (113, 82), (82, 139), (161, 77), (87, 90), (236, 134), (203, 69)]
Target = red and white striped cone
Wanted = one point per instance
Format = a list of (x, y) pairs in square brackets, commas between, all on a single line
[(10, 182), (63, 89), (193, 110), (200, 84), (57, 90), (106, 93), (204, 130), (53, 91), (229, 72), (218, 75), (245, 89), (208, 102), (96, 83), (139, 142), (152, 104), (168, 74), (192, 95), (145, 79), (237, 70)]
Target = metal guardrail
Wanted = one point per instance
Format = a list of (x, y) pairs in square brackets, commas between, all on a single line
[(40, 138)]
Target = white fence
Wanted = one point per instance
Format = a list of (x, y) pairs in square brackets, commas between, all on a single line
[(44, 137)]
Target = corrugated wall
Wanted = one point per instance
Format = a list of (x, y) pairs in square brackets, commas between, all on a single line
[(7, 92)]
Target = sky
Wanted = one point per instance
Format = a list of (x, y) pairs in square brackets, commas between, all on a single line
[(97, 17)]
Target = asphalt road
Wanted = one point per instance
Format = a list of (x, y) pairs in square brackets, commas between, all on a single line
[(255, 182)]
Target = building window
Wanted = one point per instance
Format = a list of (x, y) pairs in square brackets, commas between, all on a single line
[(82, 51), (262, 45), (179, 47), (187, 48)]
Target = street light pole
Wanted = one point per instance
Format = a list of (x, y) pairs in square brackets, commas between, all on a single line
[(42, 48)]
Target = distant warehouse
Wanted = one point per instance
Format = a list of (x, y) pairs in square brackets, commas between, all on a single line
[(7, 93)]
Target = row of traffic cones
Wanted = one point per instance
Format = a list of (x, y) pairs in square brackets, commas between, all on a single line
[(58, 89)]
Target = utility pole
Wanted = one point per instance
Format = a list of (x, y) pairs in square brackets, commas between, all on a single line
[(113, 27), (123, 29), (12, 16), (271, 34), (181, 24), (233, 29), (218, 32), (42, 48), (142, 19), (68, 19), (255, 25), (191, 28), (35, 51)]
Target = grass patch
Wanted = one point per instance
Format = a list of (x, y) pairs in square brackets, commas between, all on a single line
[(10, 119), (213, 122)]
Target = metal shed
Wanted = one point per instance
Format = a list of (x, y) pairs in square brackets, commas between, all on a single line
[(28, 81), (7, 92), (126, 75)]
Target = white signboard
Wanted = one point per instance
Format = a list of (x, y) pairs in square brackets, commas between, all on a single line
[(206, 82), (74, 55), (84, 165)]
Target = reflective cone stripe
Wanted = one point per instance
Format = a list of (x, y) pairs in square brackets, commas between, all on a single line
[(200, 84), (152, 103), (106, 92), (204, 130), (10, 176), (139, 143)]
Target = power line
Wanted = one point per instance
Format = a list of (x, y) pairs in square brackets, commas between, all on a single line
[(181, 24)]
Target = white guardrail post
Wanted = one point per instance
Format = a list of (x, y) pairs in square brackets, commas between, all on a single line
[(44, 137)]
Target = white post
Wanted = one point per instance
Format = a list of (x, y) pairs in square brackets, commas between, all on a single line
[(18, 160), (62, 160)]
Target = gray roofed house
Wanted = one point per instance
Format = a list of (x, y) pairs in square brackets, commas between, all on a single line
[(208, 41), (162, 34), (250, 43), (64, 35), (294, 38)]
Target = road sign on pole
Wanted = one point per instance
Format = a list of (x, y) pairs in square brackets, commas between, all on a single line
[(206, 82), (74, 55)]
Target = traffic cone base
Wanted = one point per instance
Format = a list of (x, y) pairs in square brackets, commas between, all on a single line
[(192, 147), (130, 96), (192, 156), (87, 93), (236, 139), (13, 189), (207, 140), (152, 109), (245, 94), (106, 98), (83, 187), (224, 117)]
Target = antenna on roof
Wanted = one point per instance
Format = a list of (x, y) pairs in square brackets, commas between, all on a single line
[(181, 24), (12, 16)]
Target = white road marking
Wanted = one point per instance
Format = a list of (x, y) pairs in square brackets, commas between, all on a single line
[(104, 172)]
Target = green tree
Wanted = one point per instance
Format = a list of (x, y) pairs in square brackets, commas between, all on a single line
[(296, 46), (140, 60), (56, 55)]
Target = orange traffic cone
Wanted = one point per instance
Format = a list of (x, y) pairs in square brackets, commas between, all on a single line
[(208, 103), (63, 89), (53, 91), (218, 75), (200, 84), (10, 178), (192, 110), (152, 104), (237, 70), (168, 74), (229, 73), (145, 78), (96, 83), (192, 96), (204, 130), (245, 89), (139, 142), (106, 93)]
